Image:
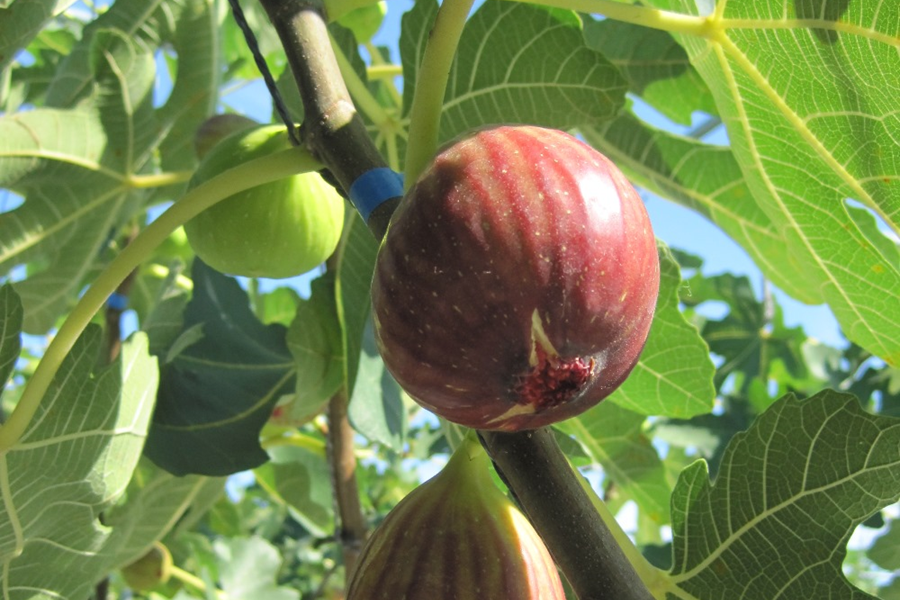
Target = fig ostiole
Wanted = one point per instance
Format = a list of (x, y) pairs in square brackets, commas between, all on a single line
[(277, 230), (517, 282), (455, 537)]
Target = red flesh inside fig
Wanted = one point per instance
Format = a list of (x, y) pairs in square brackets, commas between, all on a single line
[(517, 282)]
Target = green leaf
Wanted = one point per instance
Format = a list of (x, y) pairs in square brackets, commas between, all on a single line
[(376, 406), (10, 326), (248, 570), (806, 143), (216, 394), (72, 463), (706, 179), (301, 479), (612, 436), (355, 258), (789, 493), (752, 335), (314, 340), (516, 63), (21, 20), (156, 501), (674, 374), (656, 67), (72, 168)]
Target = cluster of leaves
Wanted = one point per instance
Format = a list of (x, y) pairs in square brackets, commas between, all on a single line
[(121, 456)]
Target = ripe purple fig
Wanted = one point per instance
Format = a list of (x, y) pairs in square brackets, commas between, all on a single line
[(517, 281), (456, 536)]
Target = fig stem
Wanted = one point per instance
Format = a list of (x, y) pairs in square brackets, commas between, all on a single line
[(641, 15), (428, 97), (549, 493), (332, 129)]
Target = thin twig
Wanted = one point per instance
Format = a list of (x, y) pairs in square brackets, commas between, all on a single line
[(351, 524)]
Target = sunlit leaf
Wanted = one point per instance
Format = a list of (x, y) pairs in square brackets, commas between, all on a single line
[(516, 63), (787, 497), (808, 92), (73, 462)]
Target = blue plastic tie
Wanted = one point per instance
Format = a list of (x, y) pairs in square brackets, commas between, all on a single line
[(117, 302), (373, 188)]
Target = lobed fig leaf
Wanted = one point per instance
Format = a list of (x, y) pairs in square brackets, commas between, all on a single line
[(277, 230), (517, 282)]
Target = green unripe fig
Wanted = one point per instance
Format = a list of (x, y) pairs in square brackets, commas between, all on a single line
[(277, 230), (150, 570)]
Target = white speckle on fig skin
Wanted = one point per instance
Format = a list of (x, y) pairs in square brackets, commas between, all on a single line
[(560, 232)]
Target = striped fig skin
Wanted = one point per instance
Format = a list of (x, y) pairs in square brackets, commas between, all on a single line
[(517, 282), (456, 537)]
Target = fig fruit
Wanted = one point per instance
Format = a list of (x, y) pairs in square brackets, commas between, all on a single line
[(277, 230), (517, 281), (150, 570), (456, 537)]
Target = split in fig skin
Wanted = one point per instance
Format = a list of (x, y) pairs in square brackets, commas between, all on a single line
[(517, 282)]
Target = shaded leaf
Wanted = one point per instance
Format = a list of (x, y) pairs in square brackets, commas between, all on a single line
[(656, 67), (885, 551), (376, 406), (314, 340), (156, 501), (355, 259), (216, 394), (248, 569), (301, 479)]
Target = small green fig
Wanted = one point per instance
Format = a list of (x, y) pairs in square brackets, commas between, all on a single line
[(150, 570), (277, 230), (217, 128), (456, 537)]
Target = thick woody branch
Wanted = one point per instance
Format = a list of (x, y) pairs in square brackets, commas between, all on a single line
[(332, 129)]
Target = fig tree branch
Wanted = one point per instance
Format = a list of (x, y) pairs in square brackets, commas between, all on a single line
[(532, 463), (549, 492), (342, 461), (332, 129)]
